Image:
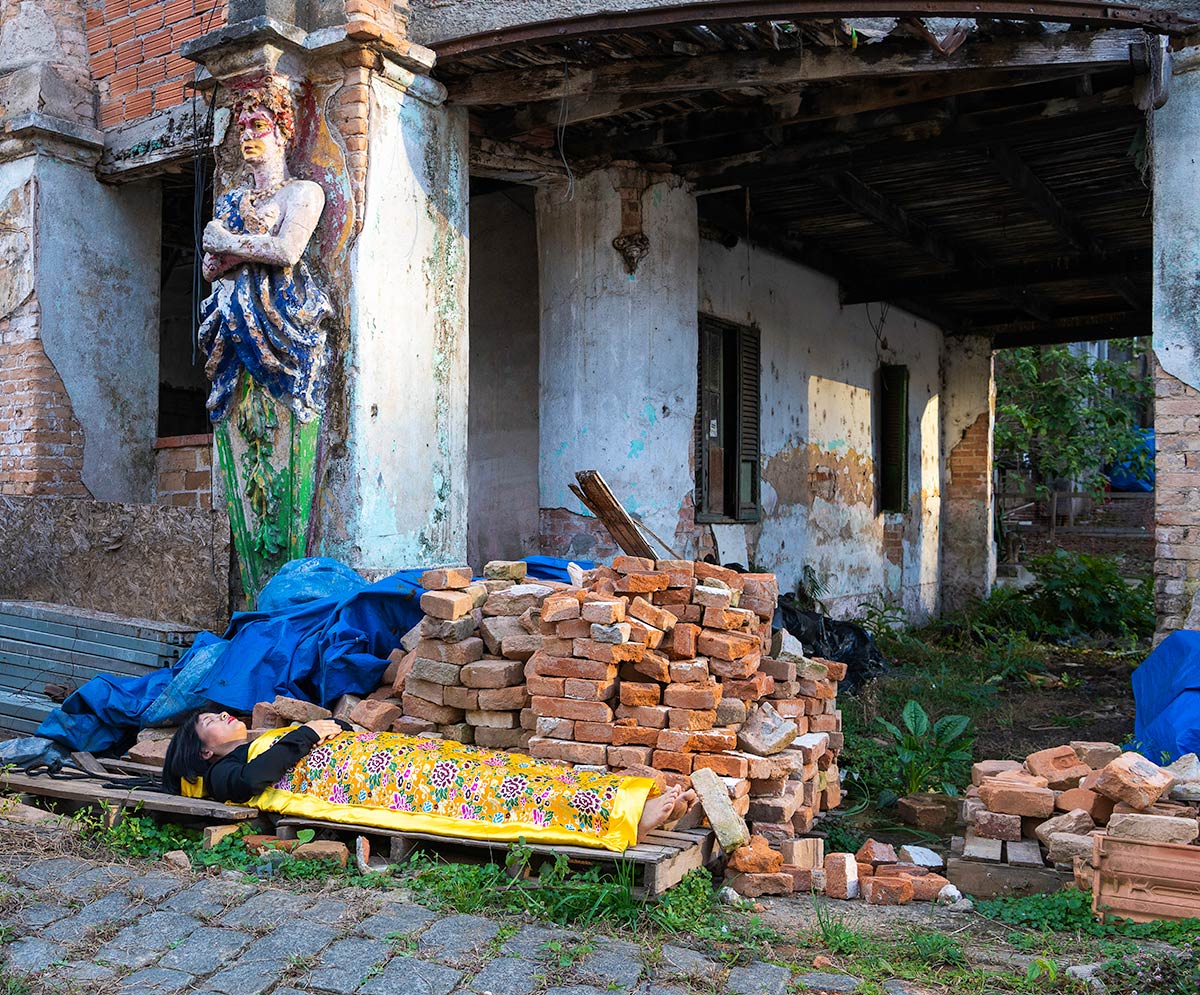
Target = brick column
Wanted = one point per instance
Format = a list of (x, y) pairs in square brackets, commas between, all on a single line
[(968, 553), (79, 302), (1177, 347)]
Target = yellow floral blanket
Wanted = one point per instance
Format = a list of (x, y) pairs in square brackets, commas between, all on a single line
[(391, 781)]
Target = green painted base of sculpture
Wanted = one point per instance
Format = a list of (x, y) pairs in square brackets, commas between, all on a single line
[(268, 461)]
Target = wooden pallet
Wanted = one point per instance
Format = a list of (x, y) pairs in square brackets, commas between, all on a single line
[(659, 864), (92, 791)]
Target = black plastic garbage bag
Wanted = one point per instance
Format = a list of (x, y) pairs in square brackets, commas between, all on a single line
[(830, 639), (32, 753)]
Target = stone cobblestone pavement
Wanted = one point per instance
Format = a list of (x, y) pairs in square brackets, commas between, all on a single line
[(80, 926)]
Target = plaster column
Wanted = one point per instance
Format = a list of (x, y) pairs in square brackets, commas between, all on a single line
[(968, 549), (397, 492), (79, 301), (390, 252), (618, 353), (1177, 346)]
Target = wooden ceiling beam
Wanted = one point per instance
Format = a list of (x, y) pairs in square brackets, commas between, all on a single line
[(1040, 198), (873, 205), (1079, 333), (822, 258), (878, 136), (1114, 268), (1074, 51), (622, 138)]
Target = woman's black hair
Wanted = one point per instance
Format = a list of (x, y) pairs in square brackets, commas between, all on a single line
[(183, 760)]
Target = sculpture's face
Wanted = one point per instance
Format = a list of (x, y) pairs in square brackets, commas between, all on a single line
[(260, 139)]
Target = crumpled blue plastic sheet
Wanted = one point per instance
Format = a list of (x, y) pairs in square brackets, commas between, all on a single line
[(1166, 690), (320, 631)]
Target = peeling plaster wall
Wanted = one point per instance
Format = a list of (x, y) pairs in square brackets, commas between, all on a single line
[(396, 491), (818, 413), (98, 284), (618, 355), (969, 401), (502, 434)]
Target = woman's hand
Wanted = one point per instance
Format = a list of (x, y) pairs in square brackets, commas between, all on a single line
[(324, 728)]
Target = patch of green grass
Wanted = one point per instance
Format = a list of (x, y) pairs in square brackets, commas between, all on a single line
[(1070, 911), (142, 836), (597, 895)]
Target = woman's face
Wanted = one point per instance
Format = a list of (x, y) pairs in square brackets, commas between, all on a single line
[(258, 135), (215, 729)]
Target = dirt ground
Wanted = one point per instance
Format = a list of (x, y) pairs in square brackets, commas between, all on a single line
[(1094, 702)]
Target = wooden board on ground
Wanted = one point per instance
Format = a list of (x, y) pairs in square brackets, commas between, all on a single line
[(92, 791), (989, 880), (659, 864)]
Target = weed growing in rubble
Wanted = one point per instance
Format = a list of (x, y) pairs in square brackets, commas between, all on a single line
[(1164, 974), (931, 754)]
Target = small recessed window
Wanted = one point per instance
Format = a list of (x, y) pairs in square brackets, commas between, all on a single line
[(891, 465), (727, 422)]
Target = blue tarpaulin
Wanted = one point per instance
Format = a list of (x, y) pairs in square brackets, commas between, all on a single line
[(1166, 689), (320, 631)]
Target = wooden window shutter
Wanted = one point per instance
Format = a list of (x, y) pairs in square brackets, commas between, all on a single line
[(710, 421), (892, 467), (749, 418)]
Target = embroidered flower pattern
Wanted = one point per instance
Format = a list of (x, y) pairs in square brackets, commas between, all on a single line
[(462, 783)]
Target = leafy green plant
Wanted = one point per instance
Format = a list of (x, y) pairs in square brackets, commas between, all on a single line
[(1077, 594), (931, 754), (1062, 415), (1071, 911)]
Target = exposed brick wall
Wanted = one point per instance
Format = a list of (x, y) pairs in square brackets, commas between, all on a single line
[(969, 464), (134, 50), (41, 442), (564, 533), (389, 14), (1177, 499), (183, 471)]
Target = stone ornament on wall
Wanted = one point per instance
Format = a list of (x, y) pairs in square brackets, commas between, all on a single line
[(264, 336)]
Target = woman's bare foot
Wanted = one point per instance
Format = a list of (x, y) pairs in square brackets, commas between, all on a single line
[(659, 809)]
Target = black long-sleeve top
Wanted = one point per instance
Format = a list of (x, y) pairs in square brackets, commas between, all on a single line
[(236, 778)]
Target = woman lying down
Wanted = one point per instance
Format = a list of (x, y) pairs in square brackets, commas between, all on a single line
[(390, 781)]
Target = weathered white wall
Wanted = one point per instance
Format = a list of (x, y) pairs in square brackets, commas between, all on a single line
[(502, 432), (618, 352), (396, 491), (1177, 224), (98, 286), (818, 415)]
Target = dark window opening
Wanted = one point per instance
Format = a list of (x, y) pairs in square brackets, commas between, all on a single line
[(727, 422), (182, 384), (892, 461)]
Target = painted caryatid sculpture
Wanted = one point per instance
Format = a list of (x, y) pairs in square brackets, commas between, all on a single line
[(263, 332)]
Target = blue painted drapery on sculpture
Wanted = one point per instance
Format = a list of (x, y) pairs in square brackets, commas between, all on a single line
[(263, 333)]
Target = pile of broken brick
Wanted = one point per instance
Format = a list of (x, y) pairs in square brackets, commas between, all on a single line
[(1050, 809), (877, 873), (666, 669)]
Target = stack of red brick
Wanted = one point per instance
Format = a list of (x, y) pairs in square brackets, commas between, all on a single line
[(1065, 796), (666, 666)]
